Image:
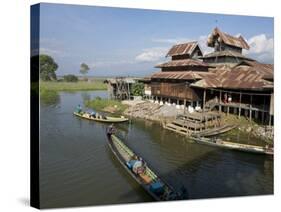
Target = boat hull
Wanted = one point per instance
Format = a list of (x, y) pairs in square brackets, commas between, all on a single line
[(233, 146), (107, 120), (122, 161)]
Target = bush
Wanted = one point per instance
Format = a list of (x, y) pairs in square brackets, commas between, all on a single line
[(70, 78), (138, 89)]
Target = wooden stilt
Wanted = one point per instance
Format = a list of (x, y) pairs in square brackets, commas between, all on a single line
[(227, 110), (251, 108), (220, 103), (240, 98), (184, 103), (263, 110), (129, 93), (204, 100)]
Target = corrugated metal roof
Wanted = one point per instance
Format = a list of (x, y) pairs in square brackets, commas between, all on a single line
[(184, 62), (183, 48), (226, 53), (239, 77), (126, 80), (266, 70), (227, 39), (180, 75)]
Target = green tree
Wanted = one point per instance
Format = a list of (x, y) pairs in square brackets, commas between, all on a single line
[(70, 78), (138, 89), (48, 67), (84, 68)]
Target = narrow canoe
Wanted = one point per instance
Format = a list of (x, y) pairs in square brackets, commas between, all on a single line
[(107, 119), (148, 178), (233, 146)]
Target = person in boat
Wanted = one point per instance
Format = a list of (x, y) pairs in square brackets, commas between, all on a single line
[(110, 130), (93, 114), (79, 109)]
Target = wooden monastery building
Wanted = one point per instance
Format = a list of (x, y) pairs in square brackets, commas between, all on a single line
[(224, 79)]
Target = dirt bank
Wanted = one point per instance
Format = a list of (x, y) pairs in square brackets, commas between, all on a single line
[(164, 113), (151, 111)]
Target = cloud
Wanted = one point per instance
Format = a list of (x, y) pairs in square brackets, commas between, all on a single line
[(261, 48), (50, 51), (202, 40), (152, 54), (53, 47)]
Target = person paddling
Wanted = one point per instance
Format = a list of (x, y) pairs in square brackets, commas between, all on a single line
[(110, 130), (79, 109)]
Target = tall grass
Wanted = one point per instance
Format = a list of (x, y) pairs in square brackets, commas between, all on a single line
[(104, 105), (73, 86)]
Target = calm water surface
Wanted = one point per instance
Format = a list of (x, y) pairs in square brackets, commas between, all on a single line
[(77, 168)]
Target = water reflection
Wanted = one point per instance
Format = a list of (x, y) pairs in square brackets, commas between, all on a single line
[(49, 97)]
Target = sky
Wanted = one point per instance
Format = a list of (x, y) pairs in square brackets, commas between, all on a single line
[(130, 42)]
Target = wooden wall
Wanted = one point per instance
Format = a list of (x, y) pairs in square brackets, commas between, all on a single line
[(174, 91)]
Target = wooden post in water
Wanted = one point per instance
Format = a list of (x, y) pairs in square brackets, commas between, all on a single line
[(240, 98)]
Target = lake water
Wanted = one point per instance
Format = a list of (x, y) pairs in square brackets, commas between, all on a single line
[(78, 169)]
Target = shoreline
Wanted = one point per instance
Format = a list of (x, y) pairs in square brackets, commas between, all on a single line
[(162, 114)]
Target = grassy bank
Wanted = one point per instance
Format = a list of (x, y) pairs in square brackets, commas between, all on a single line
[(252, 128), (73, 86), (106, 105), (48, 96)]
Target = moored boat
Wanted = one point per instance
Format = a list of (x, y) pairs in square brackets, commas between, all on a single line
[(233, 146), (142, 173), (100, 118)]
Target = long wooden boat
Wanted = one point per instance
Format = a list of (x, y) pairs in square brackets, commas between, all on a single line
[(107, 119), (233, 146), (148, 179), (215, 131)]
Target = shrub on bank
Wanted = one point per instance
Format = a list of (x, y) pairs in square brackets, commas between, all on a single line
[(70, 78), (107, 105)]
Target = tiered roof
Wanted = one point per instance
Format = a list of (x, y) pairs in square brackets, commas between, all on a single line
[(183, 62), (180, 75), (227, 39), (250, 76), (183, 49)]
